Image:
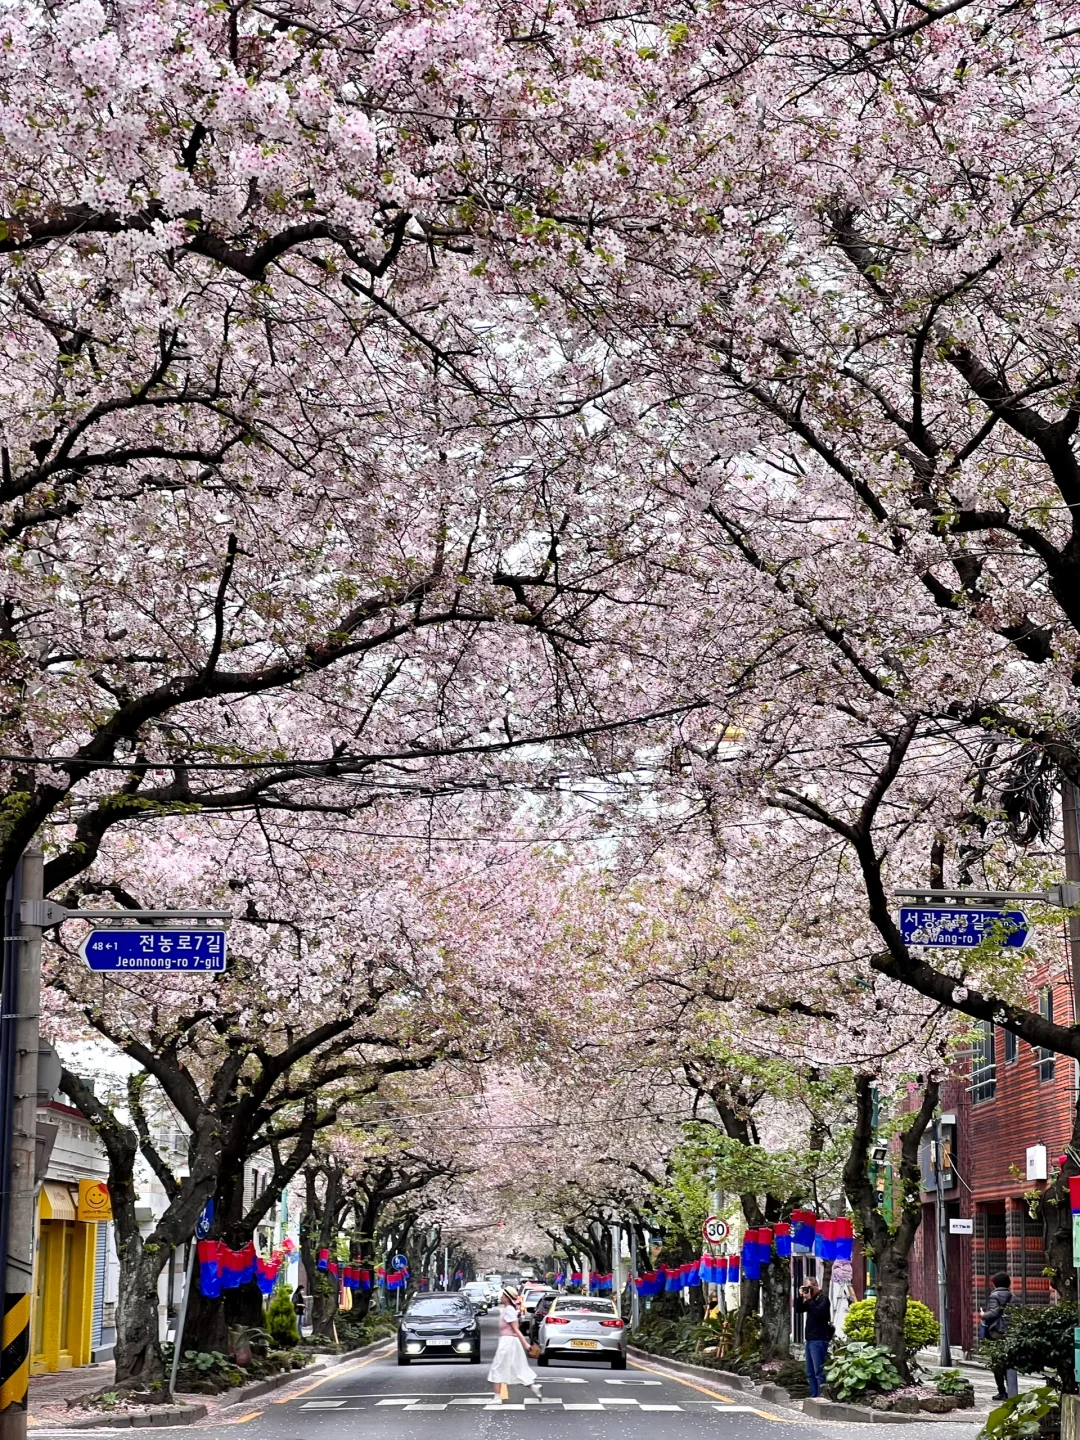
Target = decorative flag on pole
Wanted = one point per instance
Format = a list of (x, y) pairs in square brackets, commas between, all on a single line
[(209, 1269), (764, 1246), (733, 1270), (845, 1238), (783, 1239), (825, 1240), (803, 1224), (751, 1260)]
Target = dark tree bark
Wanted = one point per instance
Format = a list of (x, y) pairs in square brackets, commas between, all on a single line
[(138, 1357), (889, 1248)]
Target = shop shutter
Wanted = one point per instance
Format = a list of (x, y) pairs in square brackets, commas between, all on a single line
[(100, 1261)]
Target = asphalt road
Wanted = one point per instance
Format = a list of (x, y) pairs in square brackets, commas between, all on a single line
[(451, 1400)]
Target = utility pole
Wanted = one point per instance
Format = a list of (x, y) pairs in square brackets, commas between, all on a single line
[(945, 1352), (21, 991), (635, 1301), (616, 1264), (1070, 826)]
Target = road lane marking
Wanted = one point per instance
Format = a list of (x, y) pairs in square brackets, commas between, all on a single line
[(398, 1400), (243, 1419), (415, 1406), (587, 1405), (501, 1405), (322, 1404), (665, 1407), (715, 1394), (334, 1375)]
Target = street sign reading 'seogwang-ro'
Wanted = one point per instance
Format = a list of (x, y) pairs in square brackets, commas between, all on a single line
[(956, 929), (198, 949)]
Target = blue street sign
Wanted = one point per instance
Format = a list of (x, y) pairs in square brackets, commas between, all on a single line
[(956, 929), (197, 949), (399, 1262), (205, 1220)]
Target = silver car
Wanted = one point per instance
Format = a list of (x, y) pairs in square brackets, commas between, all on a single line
[(582, 1327)]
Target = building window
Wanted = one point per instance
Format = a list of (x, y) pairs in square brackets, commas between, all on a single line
[(983, 1081), (1011, 1046), (1045, 1058)]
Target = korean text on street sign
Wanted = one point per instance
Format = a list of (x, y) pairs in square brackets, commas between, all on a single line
[(961, 929), (715, 1230), (197, 949)]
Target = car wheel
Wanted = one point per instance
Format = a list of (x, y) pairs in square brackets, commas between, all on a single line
[(402, 1359), (542, 1361), (618, 1362)]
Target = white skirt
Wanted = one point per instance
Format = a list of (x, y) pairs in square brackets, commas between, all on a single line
[(509, 1366)]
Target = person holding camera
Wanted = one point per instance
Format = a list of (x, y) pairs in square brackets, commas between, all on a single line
[(819, 1331)]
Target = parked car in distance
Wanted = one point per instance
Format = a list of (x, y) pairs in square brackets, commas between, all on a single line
[(530, 1324), (478, 1295), (439, 1326), (582, 1327), (531, 1292)]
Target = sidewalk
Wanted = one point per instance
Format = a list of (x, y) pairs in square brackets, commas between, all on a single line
[(978, 1374), (64, 1385)]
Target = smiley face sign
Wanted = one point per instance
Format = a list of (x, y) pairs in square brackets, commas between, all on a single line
[(95, 1202)]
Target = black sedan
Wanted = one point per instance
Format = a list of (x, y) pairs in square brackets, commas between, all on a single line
[(439, 1327)]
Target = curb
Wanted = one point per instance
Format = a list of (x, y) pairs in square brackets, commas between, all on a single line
[(820, 1409), (176, 1415), (143, 1420), (727, 1378)]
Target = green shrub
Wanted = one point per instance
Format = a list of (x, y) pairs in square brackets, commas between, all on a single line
[(281, 1320), (948, 1382), (1037, 1339), (1018, 1417), (920, 1327), (853, 1367)]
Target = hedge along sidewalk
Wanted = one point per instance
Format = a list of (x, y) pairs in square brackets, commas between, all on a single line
[(189, 1413)]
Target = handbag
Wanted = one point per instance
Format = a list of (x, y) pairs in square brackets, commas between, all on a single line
[(533, 1351)]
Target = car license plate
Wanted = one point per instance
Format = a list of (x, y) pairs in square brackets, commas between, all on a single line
[(437, 1342), (585, 1344)]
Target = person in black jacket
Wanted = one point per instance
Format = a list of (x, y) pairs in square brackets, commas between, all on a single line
[(815, 1306), (995, 1322)]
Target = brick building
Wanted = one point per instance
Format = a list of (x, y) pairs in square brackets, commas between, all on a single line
[(1015, 1100)]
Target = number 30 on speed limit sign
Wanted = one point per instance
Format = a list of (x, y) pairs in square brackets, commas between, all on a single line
[(715, 1230)]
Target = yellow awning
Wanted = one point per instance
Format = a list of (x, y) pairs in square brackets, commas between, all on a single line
[(57, 1202)]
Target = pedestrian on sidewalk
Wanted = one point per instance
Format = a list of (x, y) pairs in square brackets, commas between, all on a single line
[(819, 1331), (995, 1323), (509, 1366)]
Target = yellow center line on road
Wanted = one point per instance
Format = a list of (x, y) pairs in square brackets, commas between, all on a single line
[(334, 1374), (243, 1419), (713, 1394)]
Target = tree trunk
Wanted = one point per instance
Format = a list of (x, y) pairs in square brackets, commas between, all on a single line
[(889, 1248), (776, 1310), (1056, 1214), (139, 1361)]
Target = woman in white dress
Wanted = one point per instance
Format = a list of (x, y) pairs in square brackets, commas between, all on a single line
[(509, 1366)]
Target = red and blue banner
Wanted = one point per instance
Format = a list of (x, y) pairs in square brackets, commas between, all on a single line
[(221, 1268)]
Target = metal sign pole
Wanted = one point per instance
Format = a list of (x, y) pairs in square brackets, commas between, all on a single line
[(178, 1340), (21, 1003), (945, 1352)]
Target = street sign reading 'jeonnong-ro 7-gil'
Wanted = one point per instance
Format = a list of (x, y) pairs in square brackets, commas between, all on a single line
[(960, 929), (198, 950)]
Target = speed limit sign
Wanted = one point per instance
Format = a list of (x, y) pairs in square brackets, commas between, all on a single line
[(715, 1230)]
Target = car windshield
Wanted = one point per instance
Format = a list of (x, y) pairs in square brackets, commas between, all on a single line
[(435, 1305), (585, 1306)]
